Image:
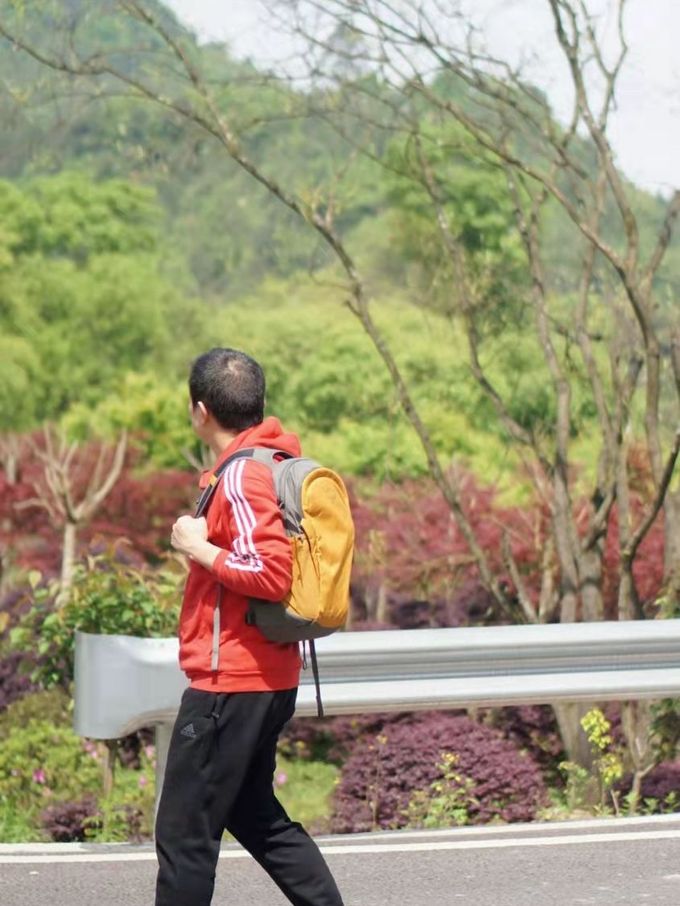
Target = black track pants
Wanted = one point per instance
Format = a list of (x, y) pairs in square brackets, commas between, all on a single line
[(219, 776)]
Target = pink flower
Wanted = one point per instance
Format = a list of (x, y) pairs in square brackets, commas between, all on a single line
[(281, 778), (143, 781), (39, 776), (91, 749), (150, 751)]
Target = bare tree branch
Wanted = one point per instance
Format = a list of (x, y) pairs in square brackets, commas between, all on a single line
[(523, 597), (663, 241), (640, 533)]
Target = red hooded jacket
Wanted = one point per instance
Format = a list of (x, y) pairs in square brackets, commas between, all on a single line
[(244, 520)]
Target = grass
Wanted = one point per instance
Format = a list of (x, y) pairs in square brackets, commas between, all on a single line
[(16, 826), (304, 788)]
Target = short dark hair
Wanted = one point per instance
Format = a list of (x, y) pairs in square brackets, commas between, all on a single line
[(231, 386)]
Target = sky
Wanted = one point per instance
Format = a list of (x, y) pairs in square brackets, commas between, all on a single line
[(645, 131)]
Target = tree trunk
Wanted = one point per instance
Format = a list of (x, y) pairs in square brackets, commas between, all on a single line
[(10, 464), (672, 547), (590, 575), (349, 622), (636, 723), (568, 569), (381, 611), (68, 559), (629, 607), (575, 741)]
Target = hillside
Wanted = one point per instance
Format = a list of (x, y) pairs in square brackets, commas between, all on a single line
[(230, 231)]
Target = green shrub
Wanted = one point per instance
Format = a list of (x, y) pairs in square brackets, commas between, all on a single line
[(40, 761), (127, 814), (51, 780), (52, 705), (447, 801), (106, 597), (607, 771)]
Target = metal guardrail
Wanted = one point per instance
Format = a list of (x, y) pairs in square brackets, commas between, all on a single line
[(123, 683)]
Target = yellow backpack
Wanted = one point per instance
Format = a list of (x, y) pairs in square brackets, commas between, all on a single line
[(316, 515)]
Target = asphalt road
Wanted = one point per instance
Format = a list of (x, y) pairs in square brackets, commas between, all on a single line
[(627, 862)]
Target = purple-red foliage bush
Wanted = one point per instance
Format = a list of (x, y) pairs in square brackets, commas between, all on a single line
[(469, 605), (14, 680), (531, 728), (66, 822), (411, 553), (384, 770), (661, 784), (14, 605), (412, 556), (140, 508), (648, 568), (333, 738), (144, 508), (26, 531)]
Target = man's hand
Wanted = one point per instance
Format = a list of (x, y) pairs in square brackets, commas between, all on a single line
[(189, 535)]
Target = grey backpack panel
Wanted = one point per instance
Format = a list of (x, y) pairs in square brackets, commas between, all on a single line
[(288, 475)]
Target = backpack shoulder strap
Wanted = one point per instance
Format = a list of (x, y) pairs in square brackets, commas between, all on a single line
[(211, 487), (265, 455)]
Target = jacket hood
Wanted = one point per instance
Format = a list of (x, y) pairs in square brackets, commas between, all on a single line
[(269, 434)]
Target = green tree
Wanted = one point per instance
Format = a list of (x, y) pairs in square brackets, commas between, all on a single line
[(83, 294), (152, 410)]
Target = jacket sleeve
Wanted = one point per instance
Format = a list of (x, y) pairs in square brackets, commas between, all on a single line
[(258, 564)]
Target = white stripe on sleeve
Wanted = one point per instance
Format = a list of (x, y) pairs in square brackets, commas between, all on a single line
[(244, 555)]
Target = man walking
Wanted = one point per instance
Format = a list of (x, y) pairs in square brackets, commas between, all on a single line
[(242, 688)]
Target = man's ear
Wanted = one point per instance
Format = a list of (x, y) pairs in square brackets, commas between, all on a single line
[(199, 413)]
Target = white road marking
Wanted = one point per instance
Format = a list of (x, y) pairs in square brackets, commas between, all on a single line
[(566, 840), (333, 849), (537, 827), (534, 829)]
